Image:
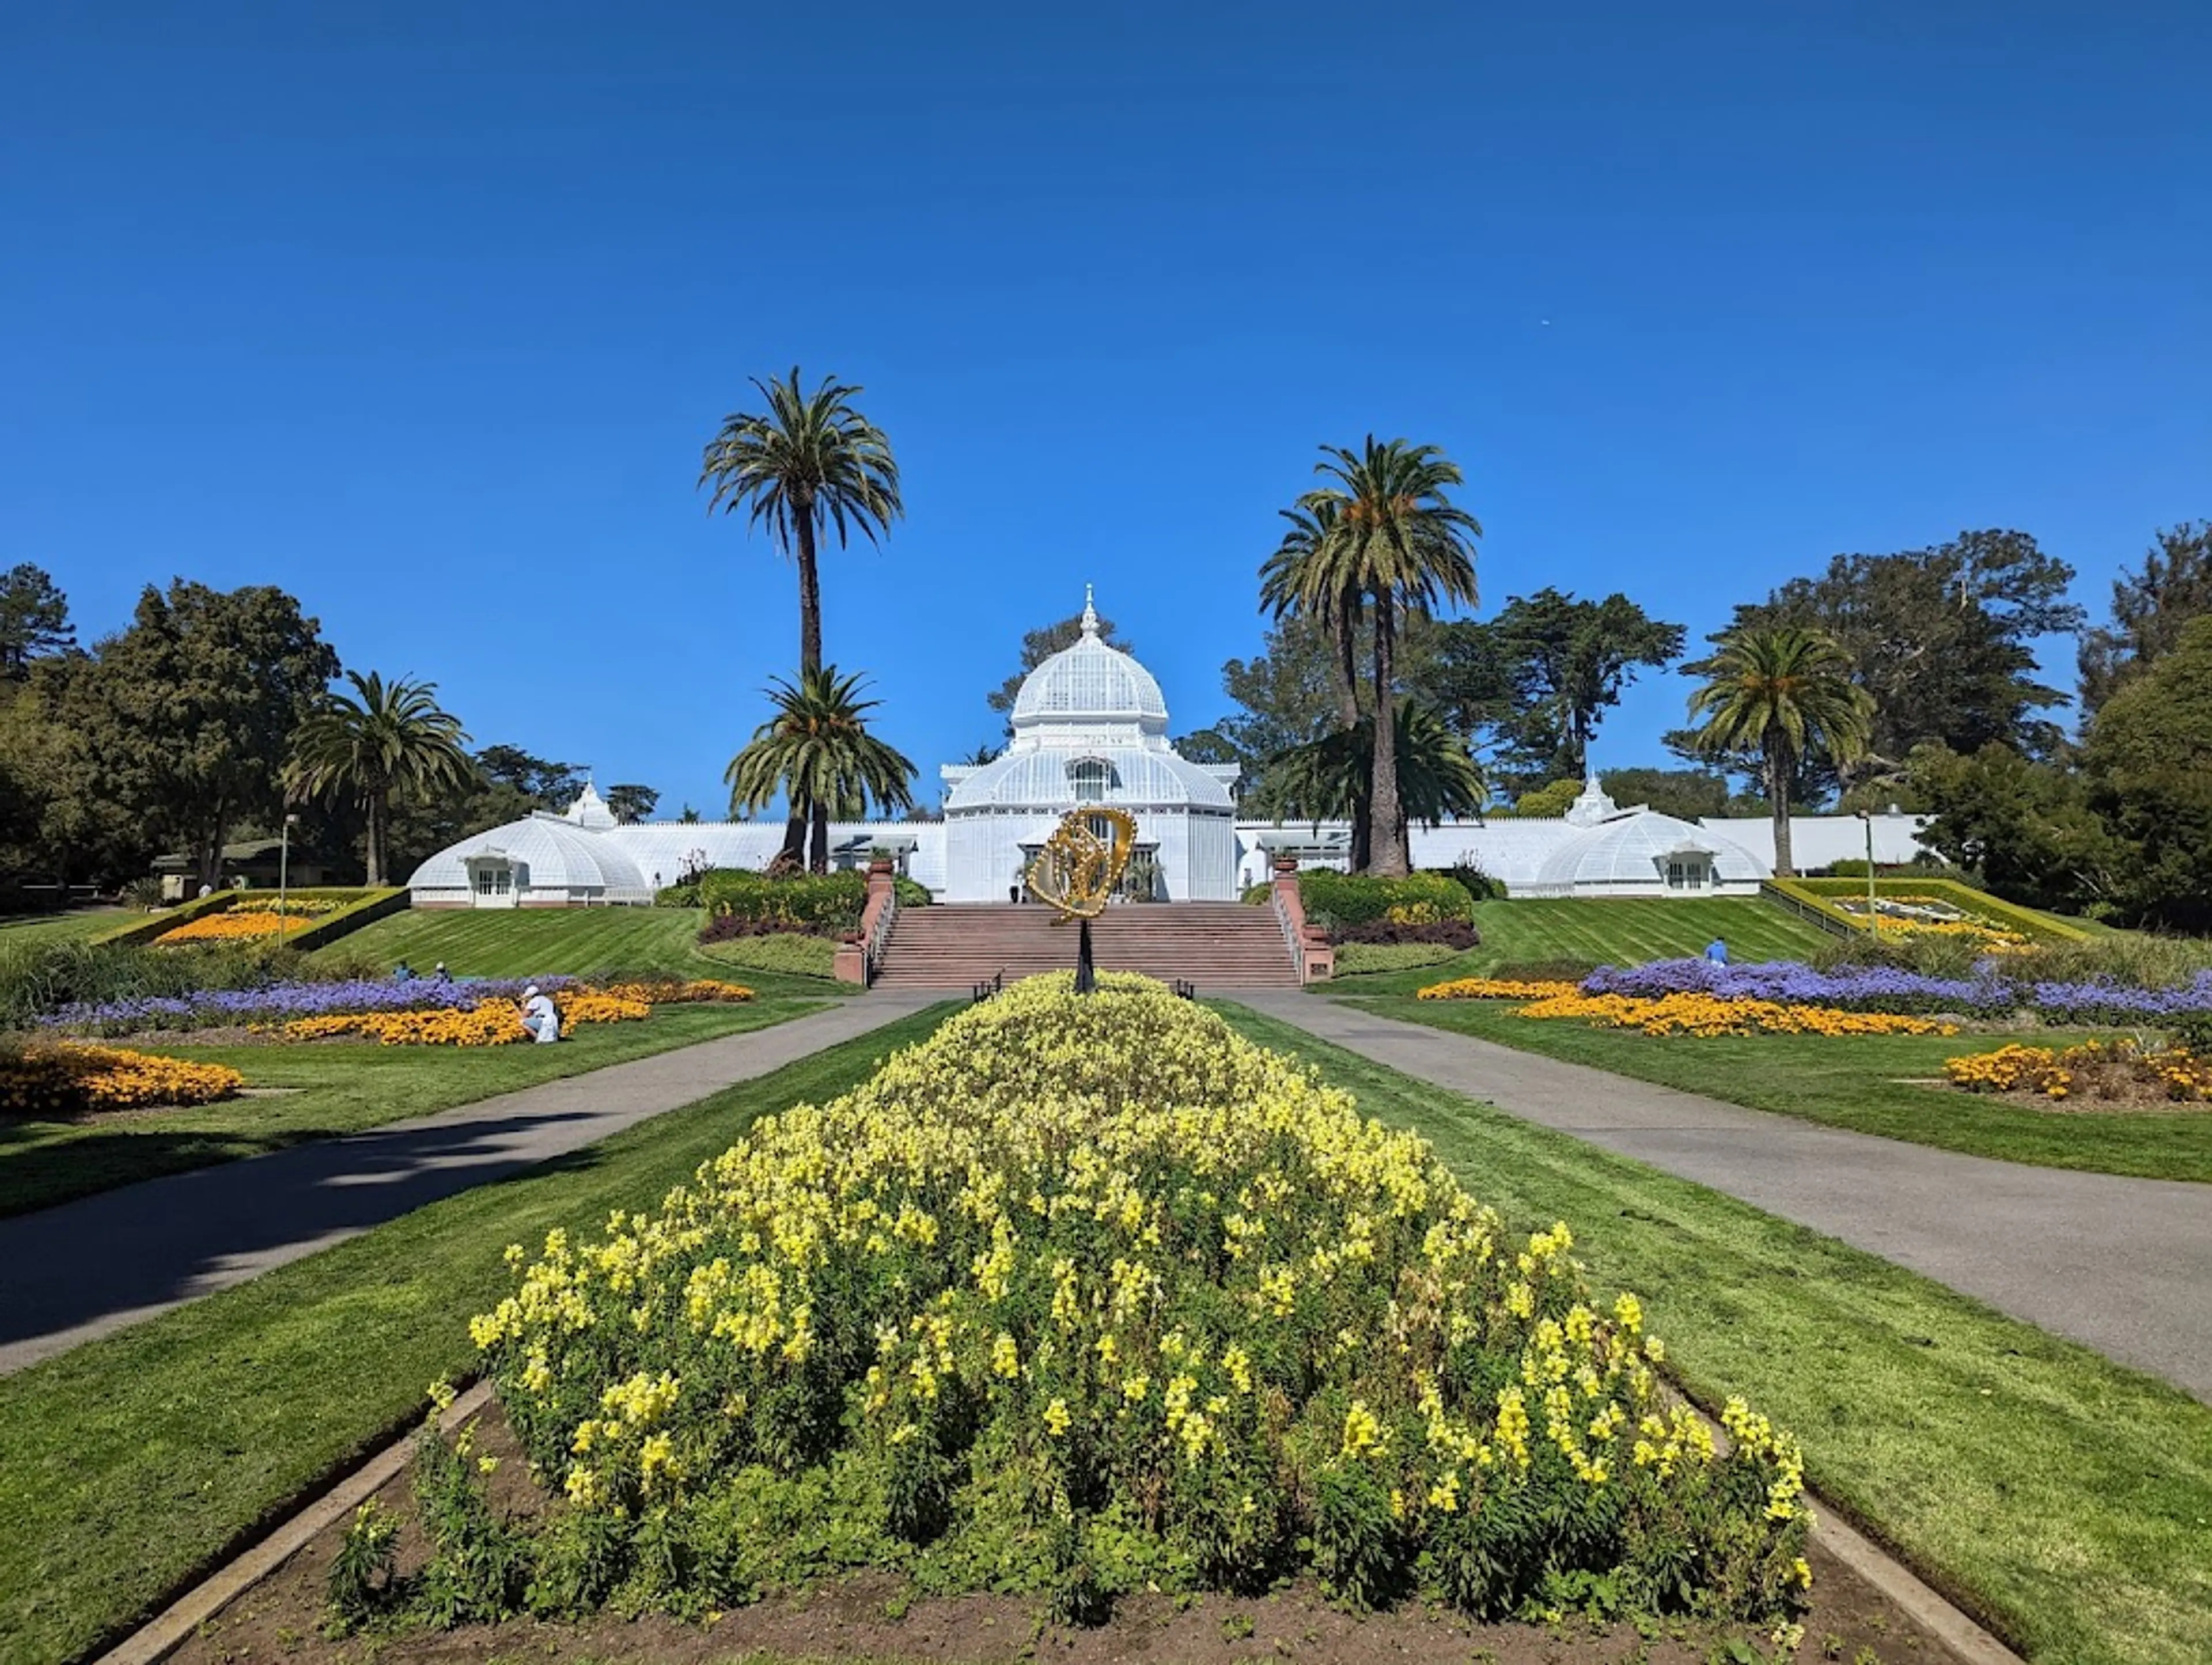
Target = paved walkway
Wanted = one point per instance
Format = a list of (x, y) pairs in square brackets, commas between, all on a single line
[(2123, 1265), (82, 1269)]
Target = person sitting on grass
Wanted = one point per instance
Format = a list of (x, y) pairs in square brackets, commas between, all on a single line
[(1717, 950), (540, 1021)]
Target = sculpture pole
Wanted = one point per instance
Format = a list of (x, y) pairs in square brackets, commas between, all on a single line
[(1087, 975)]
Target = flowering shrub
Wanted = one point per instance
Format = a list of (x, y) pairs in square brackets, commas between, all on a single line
[(1083, 1294), (1886, 988), (1494, 988), (2097, 1069), (66, 1077), (1706, 1015), (484, 1023), (1457, 934), (290, 906), (280, 1002)]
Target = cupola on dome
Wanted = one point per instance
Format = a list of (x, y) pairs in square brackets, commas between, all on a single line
[(1091, 683)]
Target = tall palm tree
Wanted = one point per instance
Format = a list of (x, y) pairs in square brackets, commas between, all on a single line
[(817, 750), (388, 737), (810, 462), (1312, 574), (1782, 690), (1436, 776), (1407, 545)]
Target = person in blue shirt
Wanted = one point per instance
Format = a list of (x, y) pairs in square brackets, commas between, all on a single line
[(1717, 950)]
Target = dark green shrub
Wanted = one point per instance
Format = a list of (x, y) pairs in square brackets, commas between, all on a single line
[(813, 904), (1476, 882), (911, 892), (1355, 899)]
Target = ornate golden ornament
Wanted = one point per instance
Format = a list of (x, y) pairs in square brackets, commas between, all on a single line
[(1081, 864)]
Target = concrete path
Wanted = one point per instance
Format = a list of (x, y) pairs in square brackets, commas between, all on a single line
[(2123, 1265), (82, 1269)]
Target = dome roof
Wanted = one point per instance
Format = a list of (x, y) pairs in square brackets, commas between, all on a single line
[(1055, 778), (1635, 847), (550, 853), (1091, 683)]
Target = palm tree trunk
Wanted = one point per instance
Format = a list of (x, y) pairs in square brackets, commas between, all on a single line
[(810, 654), (819, 857), (1386, 822), (379, 808), (1344, 626), (1777, 799)]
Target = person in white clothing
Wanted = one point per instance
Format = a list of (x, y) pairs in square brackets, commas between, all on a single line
[(540, 1020)]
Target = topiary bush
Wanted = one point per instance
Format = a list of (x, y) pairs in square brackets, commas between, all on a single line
[(1088, 1294)]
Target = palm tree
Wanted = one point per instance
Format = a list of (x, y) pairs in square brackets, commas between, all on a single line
[(1311, 575), (1437, 777), (817, 750), (1405, 544), (392, 738), (808, 462), (1782, 690)]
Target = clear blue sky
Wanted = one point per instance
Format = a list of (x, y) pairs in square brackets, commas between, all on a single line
[(425, 312)]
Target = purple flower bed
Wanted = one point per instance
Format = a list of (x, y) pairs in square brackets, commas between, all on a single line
[(1884, 989), (222, 1008)]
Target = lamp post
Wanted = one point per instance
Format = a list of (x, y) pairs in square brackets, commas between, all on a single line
[(1874, 929), (283, 867)]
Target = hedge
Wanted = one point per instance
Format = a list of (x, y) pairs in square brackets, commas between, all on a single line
[(1355, 899), (140, 932)]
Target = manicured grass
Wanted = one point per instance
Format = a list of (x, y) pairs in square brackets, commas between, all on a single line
[(133, 1461), (52, 927), (1628, 930), (784, 951), (1866, 1082), (545, 941), (2065, 1499), (335, 1088)]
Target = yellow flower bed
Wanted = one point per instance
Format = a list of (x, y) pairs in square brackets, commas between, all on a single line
[(2101, 1069), (1707, 1015), (290, 906), (1495, 988), (493, 1024), (679, 991), (1085, 1294), (69, 1077), (232, 926)]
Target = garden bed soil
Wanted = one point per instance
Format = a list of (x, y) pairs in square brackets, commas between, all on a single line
[(877, 1617)]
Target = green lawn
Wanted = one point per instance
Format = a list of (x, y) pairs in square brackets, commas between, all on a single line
[(49, 927), (1627, 931), (547, 941), (337, 1088), (1868, 1083), (2065, 1499), (132, 1462)]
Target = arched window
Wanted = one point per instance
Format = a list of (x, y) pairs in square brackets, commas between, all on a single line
[(1092, 779)]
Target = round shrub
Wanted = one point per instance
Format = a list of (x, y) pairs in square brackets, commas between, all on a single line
[(1357, 898), (1088, 1293)]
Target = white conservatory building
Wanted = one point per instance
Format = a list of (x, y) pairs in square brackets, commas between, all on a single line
[(1090, 728)]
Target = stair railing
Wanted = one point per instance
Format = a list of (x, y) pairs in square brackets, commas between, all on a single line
[(1294, 935), (879, 940)]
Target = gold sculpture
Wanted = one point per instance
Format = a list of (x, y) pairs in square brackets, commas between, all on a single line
[(1077, 871), (1081, 863)]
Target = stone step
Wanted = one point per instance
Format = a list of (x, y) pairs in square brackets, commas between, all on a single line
[(1216, 945)]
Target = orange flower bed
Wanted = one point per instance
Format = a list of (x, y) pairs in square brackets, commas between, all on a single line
[(2095, 1069), (1705, 1015), (677, 990), (232, 926), (1495, 988), (71, 1078), (493, 1024)]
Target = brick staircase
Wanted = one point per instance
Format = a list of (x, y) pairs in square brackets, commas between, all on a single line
[(1215, 945)]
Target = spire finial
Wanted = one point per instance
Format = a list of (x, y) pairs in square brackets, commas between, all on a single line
[(1090, 613)]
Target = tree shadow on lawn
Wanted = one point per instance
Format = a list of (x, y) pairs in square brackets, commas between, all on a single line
[(140, 1248)]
